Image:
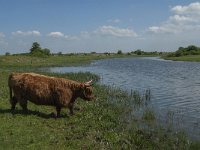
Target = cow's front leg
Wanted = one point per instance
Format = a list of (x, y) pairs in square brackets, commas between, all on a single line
[(13, 102), (71, 105)]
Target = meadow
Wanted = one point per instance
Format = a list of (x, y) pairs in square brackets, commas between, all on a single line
[(192, 58), (108, 122), (27, 61)]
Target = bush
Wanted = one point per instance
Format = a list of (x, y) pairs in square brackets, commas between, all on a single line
[(190, 50), (139, 52), (119, 52), (7, 54)]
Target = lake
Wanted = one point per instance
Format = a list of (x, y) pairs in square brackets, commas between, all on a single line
[(174, 85)]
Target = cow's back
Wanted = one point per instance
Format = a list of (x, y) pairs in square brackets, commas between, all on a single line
[(36, 88)]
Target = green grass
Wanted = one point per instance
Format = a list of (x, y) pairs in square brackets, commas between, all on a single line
[(16, 61), (195, 58), (108, 122)]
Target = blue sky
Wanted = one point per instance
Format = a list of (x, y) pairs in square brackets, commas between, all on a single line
[(98, 25)]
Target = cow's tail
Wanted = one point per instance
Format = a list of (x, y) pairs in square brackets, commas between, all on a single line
[(10, 86), (10, 93)]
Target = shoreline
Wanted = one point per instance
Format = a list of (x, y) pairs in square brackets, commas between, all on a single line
[(99, 124), (189, 58)]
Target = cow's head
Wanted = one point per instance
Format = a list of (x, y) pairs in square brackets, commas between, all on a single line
[(86, 91)]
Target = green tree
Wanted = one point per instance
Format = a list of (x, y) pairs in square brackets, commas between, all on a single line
[(119, 52), (59, 53), (190, 50), (46, 51), (7, 53), (35, 47), (138, 52), (36, 50)]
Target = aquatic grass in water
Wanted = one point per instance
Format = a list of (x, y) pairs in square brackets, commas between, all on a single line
[(80, 76), (149, 115), (135, 98), (141, 99), (141, 133)]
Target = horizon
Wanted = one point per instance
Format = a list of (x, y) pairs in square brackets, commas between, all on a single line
[(99, 26)]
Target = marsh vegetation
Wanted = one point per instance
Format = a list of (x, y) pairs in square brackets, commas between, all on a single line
[(109, 122), (189, 53)]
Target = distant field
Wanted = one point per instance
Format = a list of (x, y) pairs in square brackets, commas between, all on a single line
[(64, 60)]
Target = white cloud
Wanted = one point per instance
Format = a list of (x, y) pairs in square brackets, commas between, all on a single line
[(2, 40), (167, 28), (56, 34), (62, 35), (35, 33), (185, 18), (181, 19), (193, 8), (103, 31), (114, 20), (2, 35), (85, 34), (115, 31), (27, 33), (67, 37)]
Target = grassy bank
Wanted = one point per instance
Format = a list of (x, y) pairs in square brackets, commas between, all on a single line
[(193, 58), (25, 61), (189, 53), (109, 122)]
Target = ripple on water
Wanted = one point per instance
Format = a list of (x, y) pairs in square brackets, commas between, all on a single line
[(174, 85)]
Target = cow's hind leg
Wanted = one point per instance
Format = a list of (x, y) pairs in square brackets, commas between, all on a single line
[(71, 106), (58, 109), (13, 103), (57, 113)]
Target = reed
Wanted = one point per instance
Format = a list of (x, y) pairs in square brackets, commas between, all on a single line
[(141, 99), (149, 115)]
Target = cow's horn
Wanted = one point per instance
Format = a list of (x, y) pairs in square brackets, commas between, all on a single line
[(89, 82)]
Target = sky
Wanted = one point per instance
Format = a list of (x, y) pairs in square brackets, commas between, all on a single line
[(74, 26)]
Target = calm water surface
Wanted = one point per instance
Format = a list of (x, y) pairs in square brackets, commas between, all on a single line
[(175, 86)]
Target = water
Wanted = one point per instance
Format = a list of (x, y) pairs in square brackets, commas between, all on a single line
[(175, 86)]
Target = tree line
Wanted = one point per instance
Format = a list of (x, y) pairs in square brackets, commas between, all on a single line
[(183, 51), (38, 51)]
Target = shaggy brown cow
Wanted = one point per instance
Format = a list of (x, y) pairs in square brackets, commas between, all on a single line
[(44, 90)]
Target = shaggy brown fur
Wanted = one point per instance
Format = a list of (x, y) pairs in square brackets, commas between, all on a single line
[(44, 90)]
